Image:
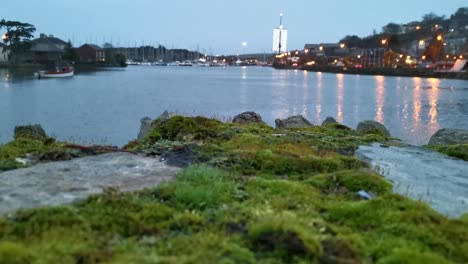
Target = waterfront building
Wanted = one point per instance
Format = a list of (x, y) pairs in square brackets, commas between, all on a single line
[(91, 53), (47, 48)]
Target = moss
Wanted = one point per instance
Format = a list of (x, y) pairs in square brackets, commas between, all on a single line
[(47, 149), (185, 128), (457, 151), (351, 181), (282, 237), (14, 253), (200, 188), (408, 256), (271, 199)]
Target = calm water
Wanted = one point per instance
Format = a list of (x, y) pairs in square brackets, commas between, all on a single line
[(106, 107)]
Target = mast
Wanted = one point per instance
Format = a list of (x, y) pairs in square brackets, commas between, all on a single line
[(280, 29)]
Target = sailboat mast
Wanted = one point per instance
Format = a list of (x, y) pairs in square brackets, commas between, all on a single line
[(280, 29)]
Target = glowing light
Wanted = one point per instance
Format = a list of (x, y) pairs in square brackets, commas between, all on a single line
[(383, 41), (421, 42), (244, 44), (439, 37), (321, 48), (342, 45)]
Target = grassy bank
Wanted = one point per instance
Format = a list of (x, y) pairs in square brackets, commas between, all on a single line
[(252, 195)]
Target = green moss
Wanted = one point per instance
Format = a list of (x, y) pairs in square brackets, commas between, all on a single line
[(46, 149), (284, 238), (408, 256), (200, 188), (288, 198), (457, 151), (14, 253), (185, 128), (351, 181)]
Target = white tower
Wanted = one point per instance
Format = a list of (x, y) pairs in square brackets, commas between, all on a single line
[(280, 37)]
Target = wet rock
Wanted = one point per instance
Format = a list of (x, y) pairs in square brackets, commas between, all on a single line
[(422, 174), (64, 182), (329, 120), (30, 131), (181, 156), (145, 127), (449, 136), (297, 121), (146, 124), (248, 118), (371, 127)]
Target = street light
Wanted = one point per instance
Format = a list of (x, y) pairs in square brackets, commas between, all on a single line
[(342, 45), (439, 37), (321, 48)]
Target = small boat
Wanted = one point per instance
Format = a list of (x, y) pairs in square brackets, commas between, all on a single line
[(57, 73)]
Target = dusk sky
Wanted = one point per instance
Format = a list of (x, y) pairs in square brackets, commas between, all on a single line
[(215, 27)]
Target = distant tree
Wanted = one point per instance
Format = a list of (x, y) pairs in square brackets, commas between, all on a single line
[(107, 46), (391, 29), (352, 41), (70, 53), (390, 58), (460, 17), (394, 43), (434, 50), (17, 36), (120, 59)]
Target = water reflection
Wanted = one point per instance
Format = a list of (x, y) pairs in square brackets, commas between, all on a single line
[(243, 89), (380, 98), (318, 106), (416, 101), (305, 92), (433, 97), (339, 97), (412, 108)]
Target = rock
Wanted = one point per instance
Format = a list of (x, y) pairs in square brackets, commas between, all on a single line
[(422, 174), (449, 136), (145, 127), (164, 116), (329, 120), (248, 118), (297, 121), (63, 182), (371, 126), (30, 131), (146, 122)]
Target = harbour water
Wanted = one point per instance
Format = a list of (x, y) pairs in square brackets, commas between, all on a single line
[(105, 107)]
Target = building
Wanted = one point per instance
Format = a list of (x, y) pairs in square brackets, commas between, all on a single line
[(331, 50), (47, 48), (91, 53)]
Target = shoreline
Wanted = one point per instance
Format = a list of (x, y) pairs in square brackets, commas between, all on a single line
[(422, 73)]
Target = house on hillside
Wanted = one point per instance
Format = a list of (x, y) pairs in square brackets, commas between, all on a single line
[(91, 53), (331, 50), (47, 48)]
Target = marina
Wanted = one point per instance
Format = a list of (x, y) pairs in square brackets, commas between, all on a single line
[(106, 106)]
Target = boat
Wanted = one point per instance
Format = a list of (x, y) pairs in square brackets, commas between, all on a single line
[(58, 72)]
